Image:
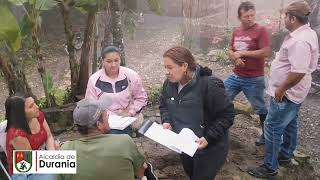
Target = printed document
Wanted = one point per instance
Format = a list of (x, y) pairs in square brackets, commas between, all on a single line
[(119, 122), (182, 142)]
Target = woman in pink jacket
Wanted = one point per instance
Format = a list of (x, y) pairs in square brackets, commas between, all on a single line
[(120, 83)]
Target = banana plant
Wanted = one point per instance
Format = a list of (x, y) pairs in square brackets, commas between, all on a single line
[(10, 42), (65, 7), (32, 20), (9, 28), (90, 7)]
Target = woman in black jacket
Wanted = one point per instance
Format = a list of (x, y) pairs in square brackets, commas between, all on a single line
[(193, 98)]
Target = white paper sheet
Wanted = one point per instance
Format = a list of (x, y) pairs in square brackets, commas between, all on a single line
[(162, 136), (187, 141), (182, 142), (119, 122)]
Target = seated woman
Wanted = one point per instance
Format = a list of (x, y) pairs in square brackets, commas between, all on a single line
[(193, 98), (122, 84), (26, 129)]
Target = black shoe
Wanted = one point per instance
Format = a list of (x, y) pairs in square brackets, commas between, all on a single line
[(149, 172), (285, 162), (261, 141), (262, 172)]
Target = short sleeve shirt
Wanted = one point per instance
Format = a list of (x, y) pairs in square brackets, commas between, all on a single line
[(298, 54), (251, 39), (106, 156)]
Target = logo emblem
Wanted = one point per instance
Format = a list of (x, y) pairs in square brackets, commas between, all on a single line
[(22, 161)]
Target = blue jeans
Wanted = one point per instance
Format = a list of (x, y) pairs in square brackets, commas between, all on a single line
[(33, 177), (253, 89), (280, 131)]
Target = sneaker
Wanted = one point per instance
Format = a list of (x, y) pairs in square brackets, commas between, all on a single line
[(149, 172), (262, 172), (260, 141)]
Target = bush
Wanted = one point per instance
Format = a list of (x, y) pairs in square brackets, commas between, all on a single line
[(2, 117), (61, 97), (222, 56), (154, 94)]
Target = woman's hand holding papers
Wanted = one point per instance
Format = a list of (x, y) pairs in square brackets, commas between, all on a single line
[(167, 126), (203, 143)]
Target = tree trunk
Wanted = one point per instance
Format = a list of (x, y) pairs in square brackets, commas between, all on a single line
[(107, 39), (12, 71), (50, 99), (117, 29), (74, 65), (95, 44), (85, 59)]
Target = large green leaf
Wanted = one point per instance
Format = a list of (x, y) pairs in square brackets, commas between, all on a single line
[(44, 5), (155, 6), (9, 28), (41, 5), (25, 26), (48, 83), (91, 5), (18, 2)]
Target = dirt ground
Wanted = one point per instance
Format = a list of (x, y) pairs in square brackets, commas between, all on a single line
[(144, 54)]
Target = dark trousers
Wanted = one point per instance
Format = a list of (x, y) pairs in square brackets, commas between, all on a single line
[(206, 163)]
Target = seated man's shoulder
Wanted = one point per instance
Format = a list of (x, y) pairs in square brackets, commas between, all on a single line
[(119, 137), (122, 142)]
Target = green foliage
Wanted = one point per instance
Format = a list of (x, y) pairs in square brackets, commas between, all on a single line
[(41, 5), (61, 97), (2, 117), (155, 6), (25, 26), (85, 6), (44, 5), (9, 28), (154, 94), (222, 56), (48, 83)]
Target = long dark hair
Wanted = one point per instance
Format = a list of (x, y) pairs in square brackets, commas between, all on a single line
[(15, 113)]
